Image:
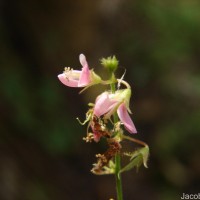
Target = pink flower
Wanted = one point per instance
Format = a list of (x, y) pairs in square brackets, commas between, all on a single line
[(77, 78), (108, 103)]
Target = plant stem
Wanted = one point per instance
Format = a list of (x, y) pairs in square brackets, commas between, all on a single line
[(117, 156), (118, 177), (135, 140)]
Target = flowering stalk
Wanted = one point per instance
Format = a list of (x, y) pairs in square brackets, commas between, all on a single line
[(118, 178), (111, 109), (117, 170)]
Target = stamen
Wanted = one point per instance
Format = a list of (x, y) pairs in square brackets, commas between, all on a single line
[(68, 72)]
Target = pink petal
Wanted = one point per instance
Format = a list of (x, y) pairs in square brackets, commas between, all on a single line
[(103, 104), (125, 118), (68, 81), (112, 109), (85, 73), (83, 60), (84, 77)]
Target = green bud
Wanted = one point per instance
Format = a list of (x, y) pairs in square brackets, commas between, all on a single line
[(110, 63)]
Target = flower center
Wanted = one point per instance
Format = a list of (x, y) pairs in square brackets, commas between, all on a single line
[(71, 74)]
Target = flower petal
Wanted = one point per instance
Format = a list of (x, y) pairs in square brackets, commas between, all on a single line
[(68, 81), (103, 104), (82, 60), (112, 109), (125, 118), (84, 77), (85, 73)]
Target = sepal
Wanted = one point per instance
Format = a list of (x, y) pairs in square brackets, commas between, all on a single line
[(138, 157)]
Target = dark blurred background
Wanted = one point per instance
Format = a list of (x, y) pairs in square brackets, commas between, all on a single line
[(42, 154)]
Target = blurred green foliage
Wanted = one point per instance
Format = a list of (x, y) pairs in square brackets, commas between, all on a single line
[(42, 153)]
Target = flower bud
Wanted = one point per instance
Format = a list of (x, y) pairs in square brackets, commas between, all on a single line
[(110, 63)]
